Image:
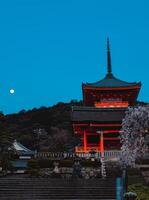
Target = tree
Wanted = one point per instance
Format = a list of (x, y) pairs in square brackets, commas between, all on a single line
[(5, 141), (135, 128), (5, 151), (21, 126), (58, 139)]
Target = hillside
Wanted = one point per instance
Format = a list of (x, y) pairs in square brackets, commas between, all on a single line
[(44, 129)]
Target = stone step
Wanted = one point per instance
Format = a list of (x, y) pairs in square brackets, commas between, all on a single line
[(58, 182), (71, 198), (56, 188), (12, 188), (59, 196), (72, 194), (56, 194), (56, 185)]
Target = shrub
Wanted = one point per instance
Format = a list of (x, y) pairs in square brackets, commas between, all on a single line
[(141, 190), (43, 163), (33, 168), (133, 171)]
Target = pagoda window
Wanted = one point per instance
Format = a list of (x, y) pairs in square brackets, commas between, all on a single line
[(111, 103)]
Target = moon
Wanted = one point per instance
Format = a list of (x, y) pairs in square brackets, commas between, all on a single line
[(12, 91)]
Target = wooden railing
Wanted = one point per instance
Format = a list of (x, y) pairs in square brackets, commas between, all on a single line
[(109, 155)]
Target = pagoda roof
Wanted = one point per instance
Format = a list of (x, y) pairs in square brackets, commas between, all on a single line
[(110, 81), (93, 114)]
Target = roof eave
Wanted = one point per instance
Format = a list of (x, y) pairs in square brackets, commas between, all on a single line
[(135, 86)]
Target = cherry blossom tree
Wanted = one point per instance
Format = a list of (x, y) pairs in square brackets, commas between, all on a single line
[(134, 134)]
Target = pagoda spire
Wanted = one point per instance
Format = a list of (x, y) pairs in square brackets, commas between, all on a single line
[(109, 67)]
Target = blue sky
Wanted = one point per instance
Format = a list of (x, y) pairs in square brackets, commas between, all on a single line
[(49, 47)]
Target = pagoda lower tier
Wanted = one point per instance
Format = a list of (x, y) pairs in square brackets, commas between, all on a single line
[(97, 127)]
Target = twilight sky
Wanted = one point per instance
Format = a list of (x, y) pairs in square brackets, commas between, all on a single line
[(49, 47)]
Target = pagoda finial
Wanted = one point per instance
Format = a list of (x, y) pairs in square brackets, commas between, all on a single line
[(109, 67)]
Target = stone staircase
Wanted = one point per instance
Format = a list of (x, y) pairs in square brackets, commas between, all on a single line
[(25, 188)]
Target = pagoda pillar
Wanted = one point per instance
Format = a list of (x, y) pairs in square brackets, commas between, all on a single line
[(101, 144), (85, 141)]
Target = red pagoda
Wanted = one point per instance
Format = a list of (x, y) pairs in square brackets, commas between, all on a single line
[(104, 106)]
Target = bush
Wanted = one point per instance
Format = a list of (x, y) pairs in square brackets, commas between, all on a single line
[(142, 162), (114, 172), (133, 172), (33, 164), (88, 163), (45, 163), (141, 190), (66, 163), (33, 172), (33, 168), (49, 163)]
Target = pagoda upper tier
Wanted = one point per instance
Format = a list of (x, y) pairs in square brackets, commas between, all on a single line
[(110, 91), (111, 82)]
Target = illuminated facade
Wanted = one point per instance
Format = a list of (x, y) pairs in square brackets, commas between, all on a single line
[(104, 106)]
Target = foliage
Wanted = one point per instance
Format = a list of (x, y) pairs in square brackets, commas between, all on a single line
[(48, 163), (89, 163), (45, 163), (135, 127), (5, 162), (33, 164), (44, 129), (5, 141), (141, 190), (144, 161), (6, 152), (33, 168), (133, 172), (113, 170)]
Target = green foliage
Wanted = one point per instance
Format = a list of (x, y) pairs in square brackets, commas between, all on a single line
[(5, 162), (33, 168), (6, 152), (133, 171), (143, 161), (89, 163), (45, 163), (141, 190), (114, 172), (33, 164), (55, 120), (66, 163), (5, 141)]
